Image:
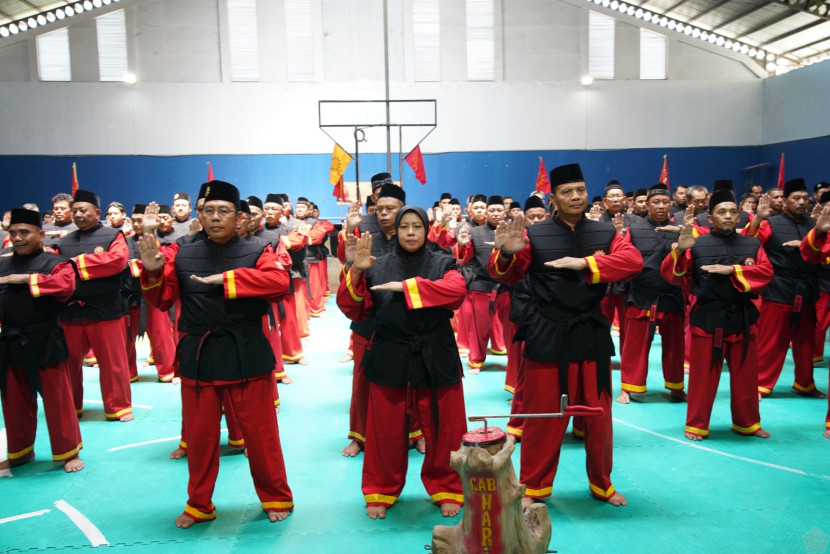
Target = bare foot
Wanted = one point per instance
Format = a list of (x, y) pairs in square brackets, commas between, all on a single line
[(473, 371), (449, 509), (421, 445), (126, 417), (812, 393), (6, 464), (376, 512), (73, 465), (510, 401), (624, 398), (760, 397), (278, 516), (352, 450), (303, 361), (762, 434), (178, 454), (526, 502), (826, 434), (176, 381), (347, 357), (184, 522), (693, 437), (286, 380), (617, 499), (246, 455), (678, 395)]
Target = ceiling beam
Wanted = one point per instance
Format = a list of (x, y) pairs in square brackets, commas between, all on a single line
[(808, 45), (817, 8), (741, 15), (708, 10), (792, 32), (766, 24)]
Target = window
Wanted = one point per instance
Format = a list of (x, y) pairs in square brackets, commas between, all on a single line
[(652, 55), (112, 46), (480, 40), (427, 40), (299, 40), (600, 46), (53, 56), (244, 41)]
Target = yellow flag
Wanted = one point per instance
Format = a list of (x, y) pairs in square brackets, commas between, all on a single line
[(340, 160)]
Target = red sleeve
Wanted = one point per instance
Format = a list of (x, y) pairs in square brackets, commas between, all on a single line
[(352, 297), (294, 240), (676, 268), (168, 250), (447, 292), (162, 293), (511, 271), (752, 278), (104, 264), (328, 225), (763, 233), (442, 236), (341, 244), (622, 263), (317, 234), (267, 280), (463, 253), (283, 257), (814, 249), (60, 283)]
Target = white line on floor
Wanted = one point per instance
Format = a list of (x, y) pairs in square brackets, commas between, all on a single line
[(177, 437), (93, 534), (692, 444), (24, 516), (145, 406)]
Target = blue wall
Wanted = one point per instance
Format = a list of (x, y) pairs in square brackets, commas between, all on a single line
[(132, 179)]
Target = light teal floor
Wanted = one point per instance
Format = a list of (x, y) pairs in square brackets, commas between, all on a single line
[(727, 494)]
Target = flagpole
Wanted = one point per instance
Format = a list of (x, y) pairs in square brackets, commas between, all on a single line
[(386, 78), (357, 165), (400, 153)]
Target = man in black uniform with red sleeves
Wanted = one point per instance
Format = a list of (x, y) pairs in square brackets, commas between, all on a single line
[(33, 288)]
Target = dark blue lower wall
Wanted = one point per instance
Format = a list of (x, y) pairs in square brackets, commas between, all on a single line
[(132, 179)]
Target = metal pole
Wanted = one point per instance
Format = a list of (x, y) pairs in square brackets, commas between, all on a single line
[(356, 164), (386, 74), (400, 153)]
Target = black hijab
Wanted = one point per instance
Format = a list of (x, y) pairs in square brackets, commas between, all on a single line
[(411, 261)]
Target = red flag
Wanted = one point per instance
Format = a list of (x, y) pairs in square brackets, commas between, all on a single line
[(210, 172), (781, 172), (664, 173), (542, 181), (74, 180), (340, 191), (416, 162)]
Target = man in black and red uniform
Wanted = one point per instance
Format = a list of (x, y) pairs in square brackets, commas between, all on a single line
[(614, 303), (788, 312), (725, 271), (568, 259), (33, 288), (652, 301), (94, 316), (490, 299), (223, 351)]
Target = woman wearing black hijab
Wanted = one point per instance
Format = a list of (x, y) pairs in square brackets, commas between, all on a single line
[(411, 362)]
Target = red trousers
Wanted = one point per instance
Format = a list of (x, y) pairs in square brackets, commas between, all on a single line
[(317, 283), (160, 333), (301, 305), (109, 341), (515, 424), (542, 438), (359, 405), (634, 362), (704, 376), (613, 307), (20, 413), (484, 326), (253, 402), (386, 452), (774, 336), (822, 324), (273, 334), (462, 332), (292, 347)]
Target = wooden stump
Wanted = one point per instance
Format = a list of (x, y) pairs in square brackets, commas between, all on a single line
[(493, 521)]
